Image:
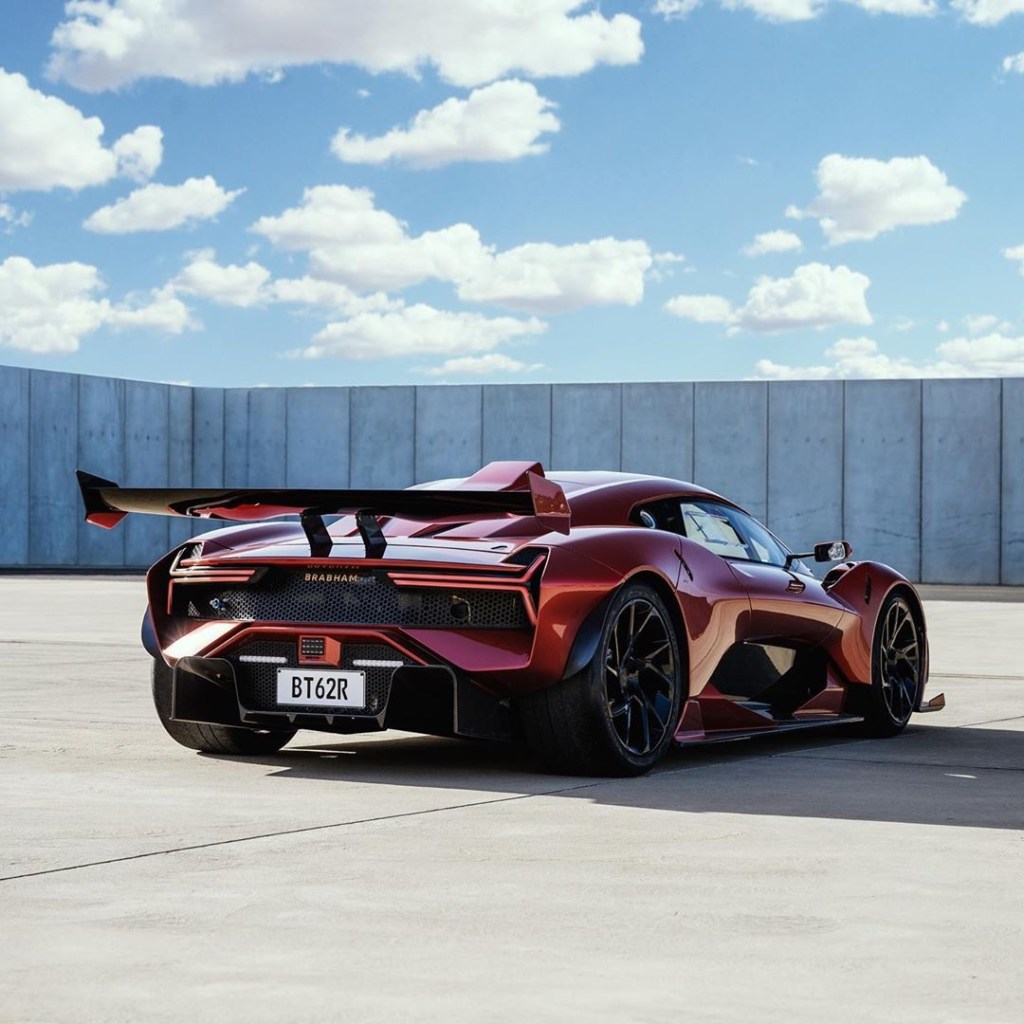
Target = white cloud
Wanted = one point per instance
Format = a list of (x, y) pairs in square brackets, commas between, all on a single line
[(351, 241), (503, 121), (416, 331), (673, 10), (778, 10), (907, 8), (10, 219), (139, 153), (493, 363), (993, 355), (162, 207), (772, 242), (251, 285), (987, 12), (1016, 253), (860, 198), (1014, 64), (702, 309), (46, 143), (781, 11), (540, 277), (164, 311), (815, 296), (230, 285), (985, 323), (105, 44), (48, 309), (315, 293)]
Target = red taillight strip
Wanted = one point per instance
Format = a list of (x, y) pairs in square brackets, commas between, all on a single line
[(404, 579), (467, 582), (214, 577)]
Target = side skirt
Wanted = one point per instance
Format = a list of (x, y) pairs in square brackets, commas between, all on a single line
[(693, 737)]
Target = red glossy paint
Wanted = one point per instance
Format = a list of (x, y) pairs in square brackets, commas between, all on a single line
[(583, 541)]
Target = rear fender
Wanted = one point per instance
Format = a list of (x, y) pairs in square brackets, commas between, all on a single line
[(149, 640)]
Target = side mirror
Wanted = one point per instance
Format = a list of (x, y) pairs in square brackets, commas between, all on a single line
[(829, 551), (832, 551)]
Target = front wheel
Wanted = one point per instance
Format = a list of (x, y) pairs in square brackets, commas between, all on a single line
[(618, 715), (897, 668), (211, 739)]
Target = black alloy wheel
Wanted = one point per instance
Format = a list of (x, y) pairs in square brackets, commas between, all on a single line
[(618, 715), (641, 678), (897, 665)]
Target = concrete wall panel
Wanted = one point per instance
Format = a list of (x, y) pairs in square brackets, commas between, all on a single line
[(1012, 546), (318, 440), (730, 424), (207, 445), (15, 508), (55, 502), (657, 429), (236, 433), (179, 455), (382, 445), (960, 499), (926, 476), (449, 429), (147, 426), (517, 423), (267, 437), (586, 426), (805, 461), (208, 437), (101, 452), (882, 472)]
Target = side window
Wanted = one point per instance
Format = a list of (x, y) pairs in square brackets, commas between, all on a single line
[(766, 547), (730, 533), (708, 525)]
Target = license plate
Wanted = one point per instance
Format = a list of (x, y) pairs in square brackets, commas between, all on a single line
[(317, 689)]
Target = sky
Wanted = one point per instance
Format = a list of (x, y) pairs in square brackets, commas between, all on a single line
[(332, 192)]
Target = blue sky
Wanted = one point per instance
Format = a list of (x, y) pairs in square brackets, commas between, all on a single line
[(336, 192)]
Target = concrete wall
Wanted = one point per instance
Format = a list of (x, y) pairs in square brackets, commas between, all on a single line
[(925, 475)]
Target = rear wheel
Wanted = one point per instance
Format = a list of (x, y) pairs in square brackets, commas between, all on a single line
[(211, 739), (618, 715), (897, 660)]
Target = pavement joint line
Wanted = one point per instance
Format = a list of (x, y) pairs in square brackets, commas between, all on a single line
[(914, 764), (987, 721), (965, 675), (69, 643), (335, 824)]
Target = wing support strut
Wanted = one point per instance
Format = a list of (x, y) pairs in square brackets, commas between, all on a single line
[(373, 536), (313, 526)]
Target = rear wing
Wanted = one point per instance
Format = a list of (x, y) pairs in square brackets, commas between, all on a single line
[(498, 489)]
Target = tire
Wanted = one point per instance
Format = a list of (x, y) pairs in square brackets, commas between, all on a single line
[(210, 739), (897, 657), (618, 715)]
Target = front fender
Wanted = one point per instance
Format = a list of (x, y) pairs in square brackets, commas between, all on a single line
[(863, 588)]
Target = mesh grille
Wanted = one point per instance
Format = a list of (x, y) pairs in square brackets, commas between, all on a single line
[(371, 600), (257, 683)]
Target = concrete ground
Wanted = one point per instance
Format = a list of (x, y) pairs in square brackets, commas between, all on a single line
[(401, 878)]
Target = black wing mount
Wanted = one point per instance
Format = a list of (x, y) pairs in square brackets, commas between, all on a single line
[(527, 493)]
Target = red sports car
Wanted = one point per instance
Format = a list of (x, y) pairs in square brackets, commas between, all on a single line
[(601, 617)]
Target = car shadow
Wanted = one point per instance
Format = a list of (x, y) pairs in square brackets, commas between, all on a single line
[(968, 776)]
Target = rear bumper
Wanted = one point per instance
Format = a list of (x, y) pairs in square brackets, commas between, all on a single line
[(415, 697)]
